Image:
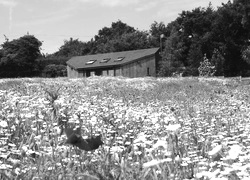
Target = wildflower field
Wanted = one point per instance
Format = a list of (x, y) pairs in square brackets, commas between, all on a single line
[(166, 128)]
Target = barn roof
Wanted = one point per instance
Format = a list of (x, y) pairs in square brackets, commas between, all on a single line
[(109, 59)]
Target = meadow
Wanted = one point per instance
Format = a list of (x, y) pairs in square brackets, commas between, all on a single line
[(165, 128)]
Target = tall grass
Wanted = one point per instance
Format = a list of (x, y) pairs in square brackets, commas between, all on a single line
[(169, 128)]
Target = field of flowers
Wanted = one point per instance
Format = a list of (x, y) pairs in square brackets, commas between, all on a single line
[(169, 128)]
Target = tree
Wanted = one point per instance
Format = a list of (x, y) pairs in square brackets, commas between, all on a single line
[(125, 42), (218, 60), (120, 37), (19, 55), (187, 39), (109, 38), (229, 37), (223, 35), (71, 47), (172, 61), (155, 31), (244, 8), (116, 30)]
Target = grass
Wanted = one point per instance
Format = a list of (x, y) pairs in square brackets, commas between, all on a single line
[(166, 128)]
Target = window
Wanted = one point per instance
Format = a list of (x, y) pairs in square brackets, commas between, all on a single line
[(90, 62), (87, 73), (119, 59), (98, 72), (105, 60), (148, 73)]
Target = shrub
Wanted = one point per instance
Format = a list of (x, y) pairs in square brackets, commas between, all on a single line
[(206, 68), (246, 54), (190, 71), (53, 70)]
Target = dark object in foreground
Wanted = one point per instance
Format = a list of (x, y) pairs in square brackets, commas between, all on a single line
[(75, 139)]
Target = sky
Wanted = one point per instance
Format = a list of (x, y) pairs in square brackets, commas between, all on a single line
[(54, 21)]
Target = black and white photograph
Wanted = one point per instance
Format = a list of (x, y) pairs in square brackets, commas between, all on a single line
[(124, 89)]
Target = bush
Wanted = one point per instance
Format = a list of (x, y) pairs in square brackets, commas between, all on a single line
[(53, 70), (190, 71), (246, 54), (206, 68)]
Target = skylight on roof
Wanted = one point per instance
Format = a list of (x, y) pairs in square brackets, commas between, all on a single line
[(105, 60), (119, 59), (90, 62)]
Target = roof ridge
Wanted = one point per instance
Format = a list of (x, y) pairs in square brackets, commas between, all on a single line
[(119, 52)]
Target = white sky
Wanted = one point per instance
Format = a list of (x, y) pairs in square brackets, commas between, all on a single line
[(53, 21)]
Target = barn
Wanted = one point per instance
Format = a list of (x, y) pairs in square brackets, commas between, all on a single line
[(136, 63)]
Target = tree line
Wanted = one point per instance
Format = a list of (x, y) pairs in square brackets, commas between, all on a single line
[(220, 35)]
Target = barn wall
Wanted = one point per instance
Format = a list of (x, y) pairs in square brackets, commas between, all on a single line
[(157, 61), (111, 72), (105, 72), (81, 73), (117, 72), (71, 72), (141, 68)]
